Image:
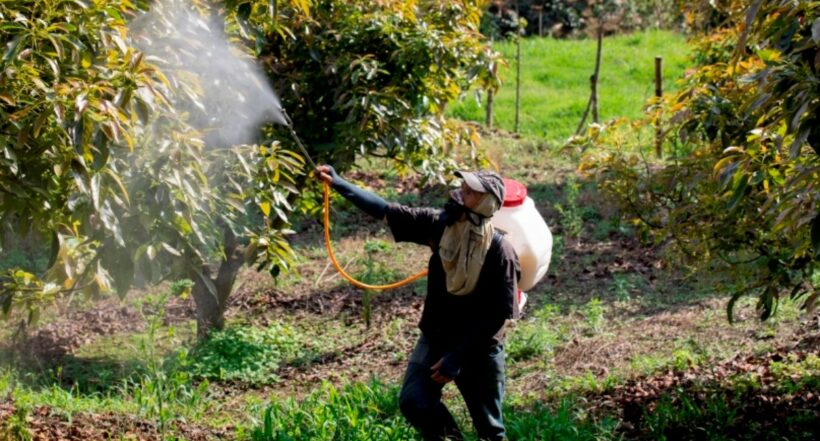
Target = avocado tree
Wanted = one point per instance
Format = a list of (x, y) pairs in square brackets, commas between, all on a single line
[(739, 190), (103, 150), (98, 154)]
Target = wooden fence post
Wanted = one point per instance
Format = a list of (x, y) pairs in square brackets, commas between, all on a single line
[(540, 10), (517, 68), (488, 119), (659, 95)]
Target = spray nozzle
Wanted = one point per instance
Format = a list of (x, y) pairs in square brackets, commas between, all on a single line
[(289, 125)]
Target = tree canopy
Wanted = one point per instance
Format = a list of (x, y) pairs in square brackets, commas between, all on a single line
[(104, 149)]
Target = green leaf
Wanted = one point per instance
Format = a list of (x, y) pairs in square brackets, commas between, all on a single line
[(739, 191), (95, 191), (815, 235), (85, 60), (122, 270), (171, 250), (12, 158), (151, 252), (6, 297), (751, 14), (730, 306), (182, 225), (11, 49), (767, 303), (33, 315)]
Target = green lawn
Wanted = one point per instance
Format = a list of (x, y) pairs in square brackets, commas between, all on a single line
[(555, 81)]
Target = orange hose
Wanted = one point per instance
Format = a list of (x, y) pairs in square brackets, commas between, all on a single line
[(341, 270)]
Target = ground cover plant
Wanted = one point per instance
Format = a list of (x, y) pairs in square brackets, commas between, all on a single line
[(619, 341)]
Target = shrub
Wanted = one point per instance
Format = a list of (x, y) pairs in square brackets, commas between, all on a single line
[(570, 17)]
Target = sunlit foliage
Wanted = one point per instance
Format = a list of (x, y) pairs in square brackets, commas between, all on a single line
[(739, 183)]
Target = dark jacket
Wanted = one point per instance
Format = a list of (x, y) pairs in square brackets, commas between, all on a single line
[(459, 326)]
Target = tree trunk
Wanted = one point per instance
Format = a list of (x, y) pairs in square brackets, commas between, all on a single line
[(209, 314), (592, 104), (517, 82), (488, 118), (596, 75), (211, 294)]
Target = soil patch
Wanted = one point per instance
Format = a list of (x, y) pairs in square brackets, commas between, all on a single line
[(758, 393), (43, 424), (53, 342), (380, 351), (402, 302)]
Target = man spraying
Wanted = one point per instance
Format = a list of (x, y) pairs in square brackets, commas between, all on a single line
[(472, 283)]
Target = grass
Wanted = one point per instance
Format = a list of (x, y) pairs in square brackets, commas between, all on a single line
[(555, 81), (358, 411), (370, 411)]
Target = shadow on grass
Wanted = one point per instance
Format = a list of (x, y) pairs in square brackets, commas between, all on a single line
[(83, 375)]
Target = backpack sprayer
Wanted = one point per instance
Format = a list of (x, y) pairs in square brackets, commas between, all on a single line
[(326, 221)]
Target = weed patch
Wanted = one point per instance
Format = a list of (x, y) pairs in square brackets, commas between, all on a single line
[(536, 336), (246, 354), (564, 422), (356, 412), (593, 313), (572, 220)]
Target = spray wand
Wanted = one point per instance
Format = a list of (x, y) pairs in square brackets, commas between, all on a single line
[(289, 125), (326, 221)]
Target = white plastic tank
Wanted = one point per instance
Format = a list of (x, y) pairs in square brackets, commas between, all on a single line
[(527, 231)]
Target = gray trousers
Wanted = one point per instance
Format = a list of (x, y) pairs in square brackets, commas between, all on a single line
[(481, 383)]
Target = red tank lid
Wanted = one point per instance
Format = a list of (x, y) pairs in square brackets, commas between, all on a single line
[(514, 193)]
